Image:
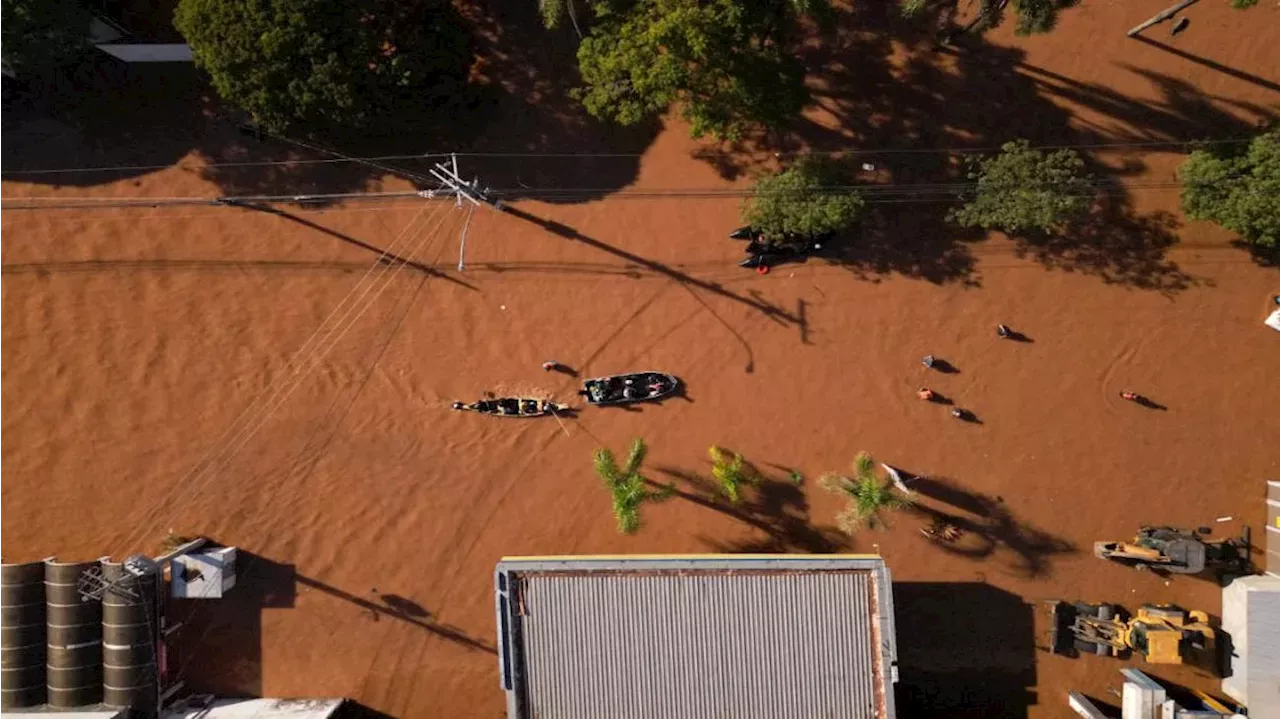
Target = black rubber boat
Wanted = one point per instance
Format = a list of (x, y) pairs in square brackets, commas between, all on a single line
[(773, 255), (628, 388)]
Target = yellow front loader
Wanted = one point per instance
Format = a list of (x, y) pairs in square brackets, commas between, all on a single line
[(1159, 633)]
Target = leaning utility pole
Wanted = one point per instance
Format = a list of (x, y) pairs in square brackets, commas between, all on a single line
[(1162, 16), (448, 176)]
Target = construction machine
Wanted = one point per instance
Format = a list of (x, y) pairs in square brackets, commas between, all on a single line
[(1160, 633), (1179, 551)]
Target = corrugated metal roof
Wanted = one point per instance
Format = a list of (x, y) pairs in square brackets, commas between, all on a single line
[(769, 638)]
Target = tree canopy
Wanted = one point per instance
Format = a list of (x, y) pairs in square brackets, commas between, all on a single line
[(628, 487), (808, 198), (1239, 191), (1023, 188), (866, 495), (320, 63), (729, 65), (39, 35), (1031, 16), (731, 472)]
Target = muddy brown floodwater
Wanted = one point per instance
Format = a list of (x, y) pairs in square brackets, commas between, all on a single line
[(371, 516)]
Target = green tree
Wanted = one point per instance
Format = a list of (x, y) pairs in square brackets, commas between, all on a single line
[(628, 487), (320, 64), (808, 198), (555, 11), (1032, 16), (1239, 191), (867, 495), (42, 35), (729, 65), (731, 471), (1022, 188)]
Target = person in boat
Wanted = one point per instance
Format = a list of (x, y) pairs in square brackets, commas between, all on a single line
[(630, 392), (1131, 396), (531, 406)]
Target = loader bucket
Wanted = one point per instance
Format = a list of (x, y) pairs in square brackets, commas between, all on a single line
[(1062, 639)]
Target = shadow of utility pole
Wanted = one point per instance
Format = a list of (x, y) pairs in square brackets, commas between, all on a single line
[(1224, 69), (383, 255), (403, 610), (767, 309)]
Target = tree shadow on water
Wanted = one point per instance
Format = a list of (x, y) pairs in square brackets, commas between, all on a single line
[(887, 93), (101, 112), (142, 118), (988, 528), (776, 509), (1181, 113), (899, 238), (521, 103), (1115, 245), (110, 121)]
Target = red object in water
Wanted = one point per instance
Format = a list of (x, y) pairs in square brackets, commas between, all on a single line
[(762, 269), (548, 366)]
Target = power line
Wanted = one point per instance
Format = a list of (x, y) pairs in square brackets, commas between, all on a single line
[(1103, 185), (881, 151), (341, 158), (56, 202), (262, 409), (213, 211), (350, 158), (207, 165), (248, 573)]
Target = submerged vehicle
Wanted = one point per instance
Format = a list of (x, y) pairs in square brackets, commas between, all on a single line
[(628, 388), (1160, 633), (512, 407), (1180, 551)]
